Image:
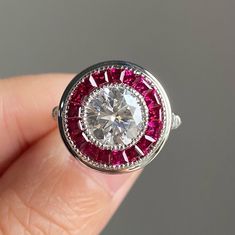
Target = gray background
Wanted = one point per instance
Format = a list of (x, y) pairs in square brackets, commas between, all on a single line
[(190, 188)]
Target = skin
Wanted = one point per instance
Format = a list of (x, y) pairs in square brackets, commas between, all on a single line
[(43, 190)]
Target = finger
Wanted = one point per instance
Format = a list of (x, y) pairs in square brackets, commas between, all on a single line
[(48, 191), (25, 111)]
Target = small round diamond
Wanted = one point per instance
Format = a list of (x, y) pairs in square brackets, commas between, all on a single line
[(115, 116)]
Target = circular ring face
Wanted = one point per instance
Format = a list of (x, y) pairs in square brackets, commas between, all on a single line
[(114, 117)]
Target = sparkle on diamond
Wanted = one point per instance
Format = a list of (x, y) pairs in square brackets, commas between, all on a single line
[(115, 116)]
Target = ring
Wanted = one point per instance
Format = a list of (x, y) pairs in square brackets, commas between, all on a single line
[(115, 117)]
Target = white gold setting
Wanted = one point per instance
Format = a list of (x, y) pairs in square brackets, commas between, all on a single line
[(170, 121)]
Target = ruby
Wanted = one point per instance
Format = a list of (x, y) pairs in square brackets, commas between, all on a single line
[(72, 124), (95, 153), (153, 133), (114, 74), (88, 86), (155, 113), (132, 155), (79, 93), (82, 90), (90, 150), (105, 156), (99, 77), (154, 129), (129, 77), (73, 110), (157, 124), (79, 140), (117, 158), (144, 145), (141, 85), (152, 99), (74, 134)]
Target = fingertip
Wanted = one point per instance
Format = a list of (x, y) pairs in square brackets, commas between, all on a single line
[(54, 184)]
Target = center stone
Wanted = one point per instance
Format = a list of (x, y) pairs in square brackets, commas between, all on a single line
[(115, 116)]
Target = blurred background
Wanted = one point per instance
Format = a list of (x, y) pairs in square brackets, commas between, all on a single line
[(190, 187)]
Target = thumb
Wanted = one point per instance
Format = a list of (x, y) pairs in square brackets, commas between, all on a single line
[(48, 192)]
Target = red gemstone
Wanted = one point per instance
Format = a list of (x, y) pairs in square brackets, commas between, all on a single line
[(117, 158), (79, 140), (114, 74), (89, 85), (141, 85), (144, 145), (152, 99), (155, 113), (153, 133), (99, 77), (157, 124), (83, 89), (72, 124), (73, 110), (131, 154), (129, 77), (102, 156), (78, 94), (90, 150), (95, 153), (105, 156)]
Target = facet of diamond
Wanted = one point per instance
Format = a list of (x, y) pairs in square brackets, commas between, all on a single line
[(115, 116)]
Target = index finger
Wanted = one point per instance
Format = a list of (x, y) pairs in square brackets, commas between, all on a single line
[(25, 111)]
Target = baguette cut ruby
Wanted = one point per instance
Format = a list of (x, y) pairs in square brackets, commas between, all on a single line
[(73, 124), (102, 156), (73, 110), (90, 150), (144, 144), (132, 155), (79, 93), (79, 140), (114, 74), (155, 113), (99, 77), (141, 85), (153, 132), (88, 84), (105, 157), (129, 77), (151, 98), (118, 158), (157, 124)]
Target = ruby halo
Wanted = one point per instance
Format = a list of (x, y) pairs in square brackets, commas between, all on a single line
[(114, 117)]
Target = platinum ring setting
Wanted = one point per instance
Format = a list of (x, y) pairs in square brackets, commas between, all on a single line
[(115, 117)]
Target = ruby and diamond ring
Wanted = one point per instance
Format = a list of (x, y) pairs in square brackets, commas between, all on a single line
[(115, 117)]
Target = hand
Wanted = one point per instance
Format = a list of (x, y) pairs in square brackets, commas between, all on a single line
[(43, 190)]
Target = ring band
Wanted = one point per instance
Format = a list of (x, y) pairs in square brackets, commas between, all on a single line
[(115, 117)]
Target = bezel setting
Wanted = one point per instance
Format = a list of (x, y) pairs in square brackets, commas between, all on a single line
[(144, 111), (156, 112)]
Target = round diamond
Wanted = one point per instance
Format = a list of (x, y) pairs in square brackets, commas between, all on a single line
[(115, 116)]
